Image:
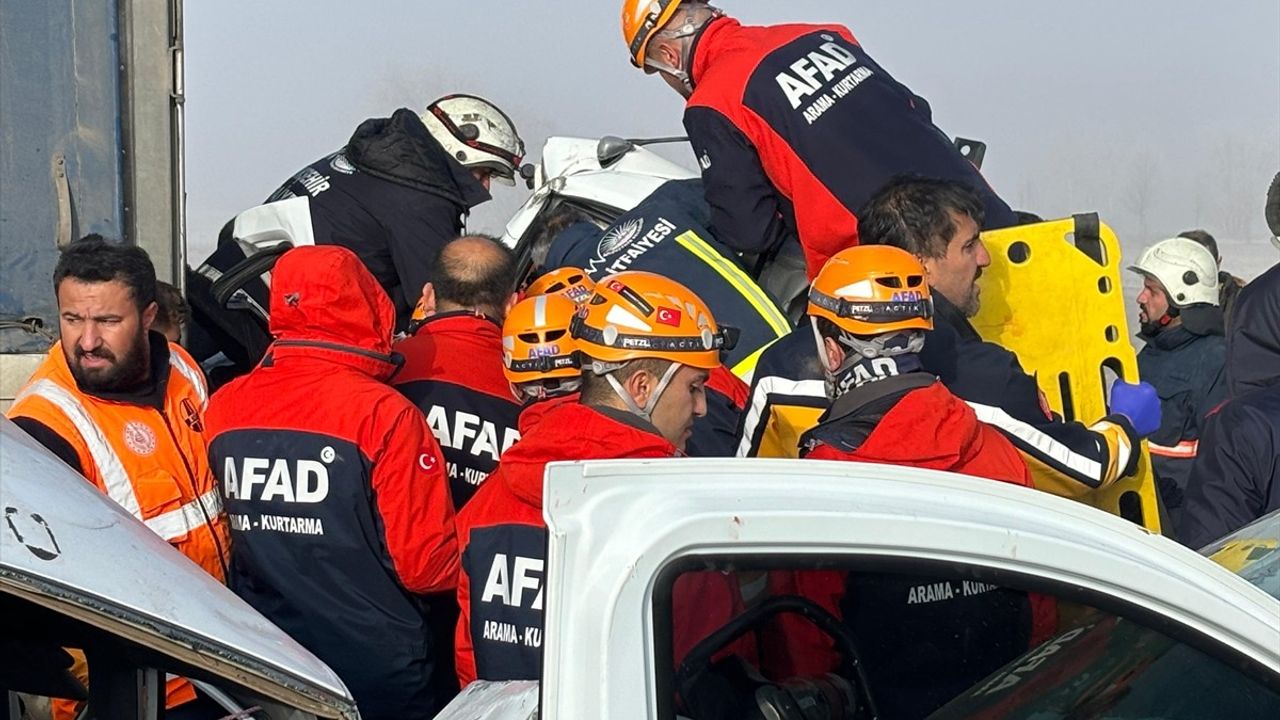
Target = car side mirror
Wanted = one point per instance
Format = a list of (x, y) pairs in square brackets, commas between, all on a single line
[(611, 149)]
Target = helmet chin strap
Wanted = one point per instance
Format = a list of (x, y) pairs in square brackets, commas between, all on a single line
[(685, 35), (646, 412)]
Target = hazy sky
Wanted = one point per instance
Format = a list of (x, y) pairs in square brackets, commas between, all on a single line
[(1161, 115)]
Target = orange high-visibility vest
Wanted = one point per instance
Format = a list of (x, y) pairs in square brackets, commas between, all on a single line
[(152, 463)]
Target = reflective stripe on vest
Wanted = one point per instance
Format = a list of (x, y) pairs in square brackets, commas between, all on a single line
[(119, 488), (192, 375), (169, 525), (179, 522)]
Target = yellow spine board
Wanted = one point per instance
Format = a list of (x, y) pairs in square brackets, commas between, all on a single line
[(1069, 331)]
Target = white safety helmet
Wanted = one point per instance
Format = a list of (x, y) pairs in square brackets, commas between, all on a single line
[(1185, 268), (477, 134)]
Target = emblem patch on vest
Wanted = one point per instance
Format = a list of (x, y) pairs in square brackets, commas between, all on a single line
[(139, 438)]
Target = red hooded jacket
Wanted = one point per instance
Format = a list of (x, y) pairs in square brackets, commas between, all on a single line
[(503, 537), (335, 487)]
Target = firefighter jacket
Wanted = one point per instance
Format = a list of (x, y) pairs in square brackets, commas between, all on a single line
[(335, 487), (668, 234), (453, 373), (1066, 458), (144, 449), (504, 542), (924, 640), (1186, 368), (1235, 478), (1069, 459), (795, 127), (392, 195)]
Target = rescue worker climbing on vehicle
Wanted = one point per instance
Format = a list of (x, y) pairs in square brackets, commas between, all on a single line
[(453, 361), (336, 489), (647, 345), (938, 221), (869, 309), (1182, 357), (539, 356), (394, 195), (794, 126)]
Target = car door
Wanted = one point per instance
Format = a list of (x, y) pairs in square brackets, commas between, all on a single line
[(623, 533)]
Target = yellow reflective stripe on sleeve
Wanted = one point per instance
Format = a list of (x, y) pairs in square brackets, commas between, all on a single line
[(190, 516), (104, 456), (193, 376), (740, 281)]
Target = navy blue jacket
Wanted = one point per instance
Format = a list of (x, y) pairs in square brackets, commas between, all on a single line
[(1236, 475), (1186, 369), (667, 233)]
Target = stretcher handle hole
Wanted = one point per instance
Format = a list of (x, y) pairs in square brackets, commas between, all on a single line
[(1104, 285), (1113, 333), (1019, 252)]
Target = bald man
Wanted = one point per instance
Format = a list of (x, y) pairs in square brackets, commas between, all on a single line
[(453, 360), (453, 373)]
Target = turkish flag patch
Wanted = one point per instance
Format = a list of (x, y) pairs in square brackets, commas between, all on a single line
[(668, 316)]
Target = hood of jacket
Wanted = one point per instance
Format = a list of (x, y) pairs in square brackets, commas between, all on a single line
[(573, 431), (324, 302), (401, 150), (1253, 342)]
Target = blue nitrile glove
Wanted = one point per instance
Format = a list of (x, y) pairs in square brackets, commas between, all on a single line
[(1139, 403)]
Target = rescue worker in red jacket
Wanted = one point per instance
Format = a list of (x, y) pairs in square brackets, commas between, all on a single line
[(714, 434), (453, 361), (647, 345), (922, 640), (794, 126), (336, 488), (123, 406)]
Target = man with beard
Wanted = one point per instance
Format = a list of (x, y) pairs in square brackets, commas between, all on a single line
[(124, 407), (938, 221), (1182, 357)]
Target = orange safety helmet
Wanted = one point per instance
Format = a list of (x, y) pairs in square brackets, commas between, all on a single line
[(872, 290), (570, 282), (641, 19), (536, 345), (634, 315)]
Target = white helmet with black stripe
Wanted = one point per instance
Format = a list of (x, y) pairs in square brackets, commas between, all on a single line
[(477, 134)]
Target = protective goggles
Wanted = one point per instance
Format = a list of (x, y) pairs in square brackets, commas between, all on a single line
[(873, 311)]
